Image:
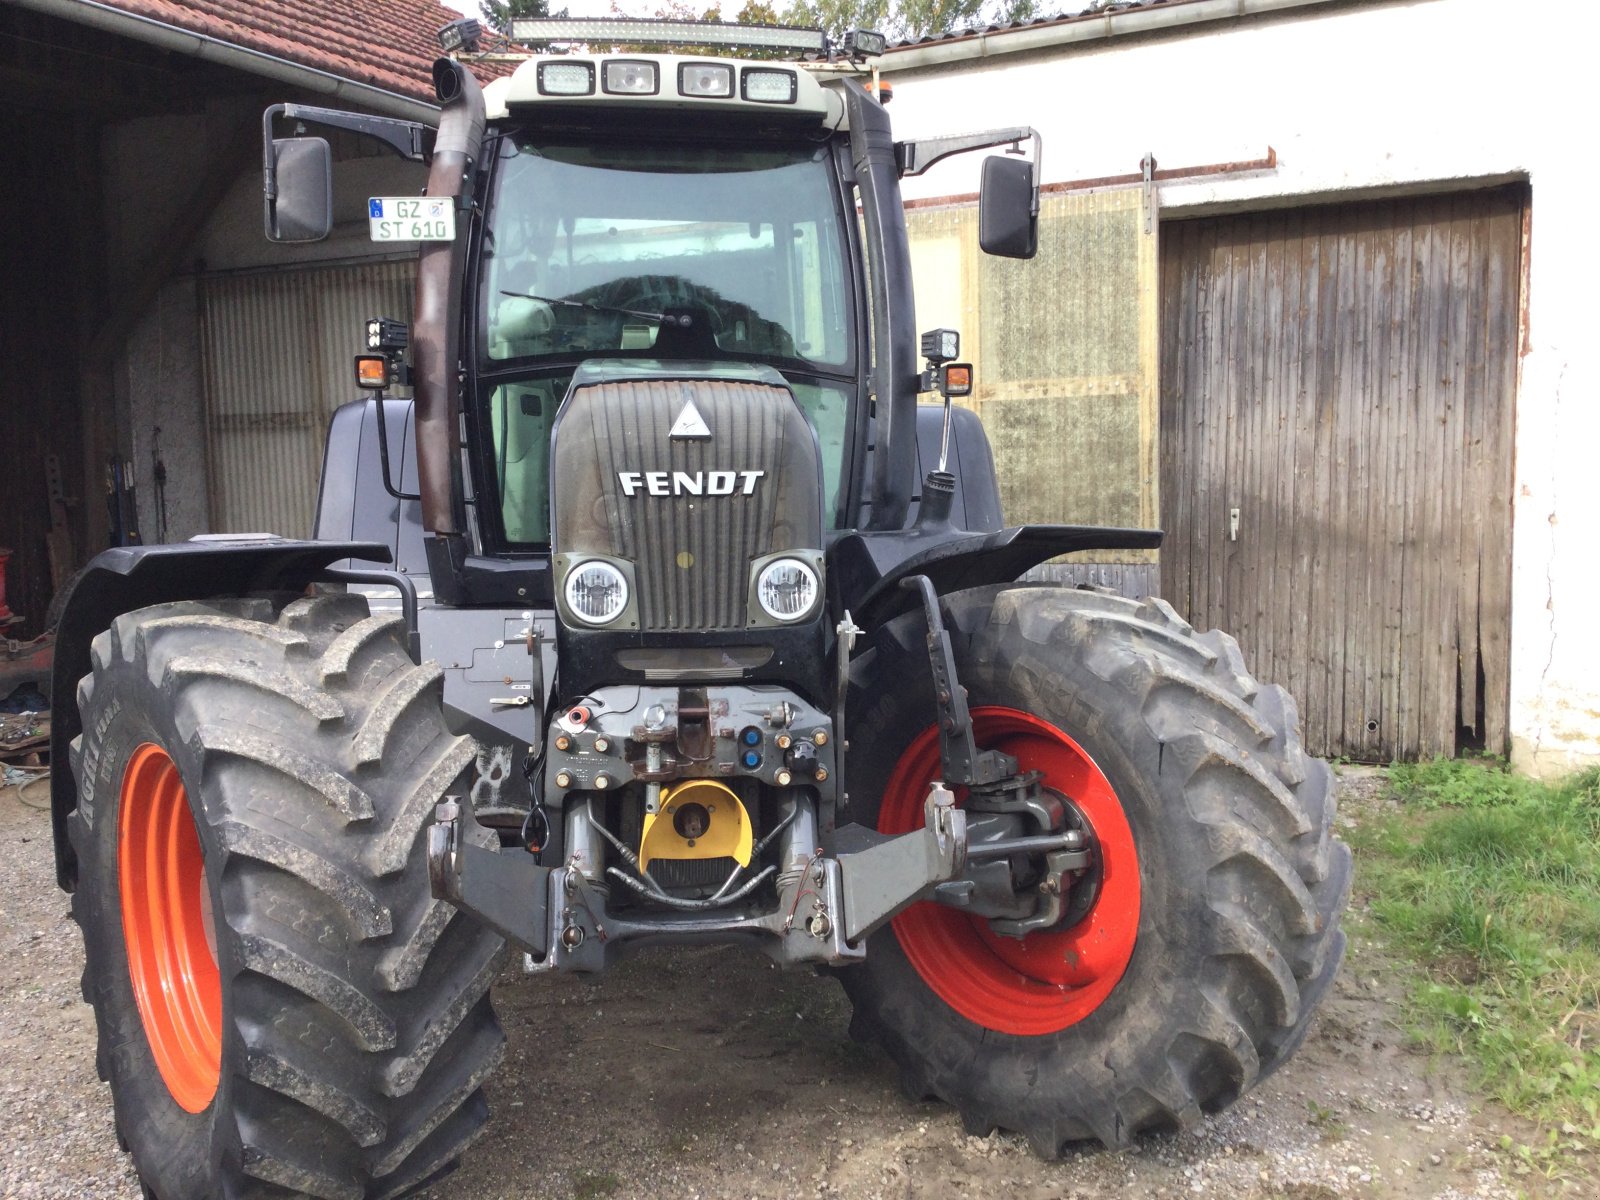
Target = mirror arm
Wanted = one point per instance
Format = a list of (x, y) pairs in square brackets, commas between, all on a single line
[(411, 140), (914, 158)]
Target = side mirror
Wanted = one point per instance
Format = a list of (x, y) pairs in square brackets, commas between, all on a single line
[(301, 210), (1007, 225)]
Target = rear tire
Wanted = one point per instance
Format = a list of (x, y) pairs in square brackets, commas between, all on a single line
[(1230, 910), (282, 1007)]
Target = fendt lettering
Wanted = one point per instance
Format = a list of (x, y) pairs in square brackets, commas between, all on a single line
[(689, 483), (1083, 854)]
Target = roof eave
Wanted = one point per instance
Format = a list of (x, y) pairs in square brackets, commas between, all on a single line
[(256, 62), (1078, 29)]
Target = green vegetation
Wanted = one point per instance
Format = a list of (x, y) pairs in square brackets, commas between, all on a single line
[(1492, 882)]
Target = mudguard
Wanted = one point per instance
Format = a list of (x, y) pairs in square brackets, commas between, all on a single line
[(131, 577), (865, 569)]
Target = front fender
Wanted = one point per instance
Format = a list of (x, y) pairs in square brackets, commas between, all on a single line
[(865, 569), (132, 577)]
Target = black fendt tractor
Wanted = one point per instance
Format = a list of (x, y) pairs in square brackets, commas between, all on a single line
[(663, 614)]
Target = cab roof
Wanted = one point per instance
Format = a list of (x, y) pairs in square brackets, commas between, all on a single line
[(663, 83)]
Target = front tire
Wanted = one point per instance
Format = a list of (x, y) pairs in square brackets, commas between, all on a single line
[(282, 1007), (1215, 929)]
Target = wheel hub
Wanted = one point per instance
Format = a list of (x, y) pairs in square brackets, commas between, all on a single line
[(1057, 972)]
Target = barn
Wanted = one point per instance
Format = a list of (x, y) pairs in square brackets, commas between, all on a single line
[(1287, 307)]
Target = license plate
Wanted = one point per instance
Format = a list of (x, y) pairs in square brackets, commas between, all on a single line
[(411, 219)]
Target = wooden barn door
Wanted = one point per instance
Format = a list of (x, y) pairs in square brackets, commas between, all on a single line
[(1336, 458)]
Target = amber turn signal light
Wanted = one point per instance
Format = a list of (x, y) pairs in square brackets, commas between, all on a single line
[(372, 371), (956, 379)]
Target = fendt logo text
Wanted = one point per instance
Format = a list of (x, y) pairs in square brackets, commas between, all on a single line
[(689, 483)]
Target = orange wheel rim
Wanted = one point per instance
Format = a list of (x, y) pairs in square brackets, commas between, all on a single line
[(1049, 980), (166, 921)]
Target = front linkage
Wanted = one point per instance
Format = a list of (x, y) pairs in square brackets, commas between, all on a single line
[(1018, 853)]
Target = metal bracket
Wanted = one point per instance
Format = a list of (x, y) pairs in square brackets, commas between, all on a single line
[(913, 158), (962, 763), (409, 139), (890, 874), (506, 891), (1147, 169), (847, 631)]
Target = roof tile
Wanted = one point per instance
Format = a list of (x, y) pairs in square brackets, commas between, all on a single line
[(389, 44)]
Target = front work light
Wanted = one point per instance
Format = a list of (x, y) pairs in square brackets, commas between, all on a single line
[(596, 592), (713, 81), (767, 85), (630, 77), (941, 345), (461, 35), (386, 333), (544, 31), (566, 79), (863, 43), (787, 589)]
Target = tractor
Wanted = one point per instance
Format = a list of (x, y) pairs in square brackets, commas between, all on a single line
[(662, 613)]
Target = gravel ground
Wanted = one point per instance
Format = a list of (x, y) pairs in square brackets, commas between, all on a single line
[(709, 1075)]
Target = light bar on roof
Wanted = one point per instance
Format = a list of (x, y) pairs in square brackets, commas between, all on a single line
[(544, 30)]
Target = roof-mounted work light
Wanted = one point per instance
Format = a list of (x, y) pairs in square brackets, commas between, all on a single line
[(543, 31), (863, 43), (461, 35)]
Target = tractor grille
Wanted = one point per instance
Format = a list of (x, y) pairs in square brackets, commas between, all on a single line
[(691, 552)]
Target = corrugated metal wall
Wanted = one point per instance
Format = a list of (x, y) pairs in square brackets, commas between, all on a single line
[(278, 348), (1064, 348), (1343, 378)]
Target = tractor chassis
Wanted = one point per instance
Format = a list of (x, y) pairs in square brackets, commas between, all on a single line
[(562, 920), (967, 858)]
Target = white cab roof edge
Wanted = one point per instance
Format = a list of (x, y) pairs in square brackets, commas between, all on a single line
[(822, 104)]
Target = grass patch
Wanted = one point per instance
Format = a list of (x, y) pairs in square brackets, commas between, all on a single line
[(1329, 1127), (1492, 882)]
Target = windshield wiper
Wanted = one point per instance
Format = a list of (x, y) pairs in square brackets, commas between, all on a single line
[(658, 318)]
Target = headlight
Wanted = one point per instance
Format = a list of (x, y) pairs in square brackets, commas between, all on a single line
[(787, 589), (596, 592)]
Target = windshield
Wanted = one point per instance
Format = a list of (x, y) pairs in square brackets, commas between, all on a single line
[(666, 252), (656, 252)]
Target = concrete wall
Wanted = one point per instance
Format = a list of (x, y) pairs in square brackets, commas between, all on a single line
[(1361, 99)]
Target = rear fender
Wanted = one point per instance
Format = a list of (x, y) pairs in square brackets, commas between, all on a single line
[(132, 577)]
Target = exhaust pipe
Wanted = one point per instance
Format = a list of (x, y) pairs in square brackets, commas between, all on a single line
[(436, 327)]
